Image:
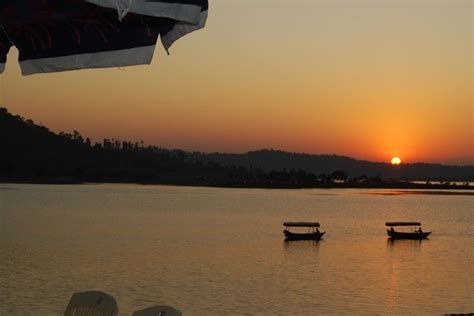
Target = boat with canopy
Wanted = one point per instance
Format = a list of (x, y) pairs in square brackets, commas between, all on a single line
[(312, 234), (414, 233)]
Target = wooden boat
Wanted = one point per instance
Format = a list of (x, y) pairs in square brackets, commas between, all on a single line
[(312, 234), (412, 234)]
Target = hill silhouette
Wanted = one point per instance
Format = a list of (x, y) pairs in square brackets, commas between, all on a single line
[(270, 159), (32, 153)]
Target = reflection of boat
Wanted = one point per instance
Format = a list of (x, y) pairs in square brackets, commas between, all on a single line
[(312, 234), (404, 243), (412, 234)]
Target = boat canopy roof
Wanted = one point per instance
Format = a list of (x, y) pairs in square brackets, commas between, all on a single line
[(402, 224), (301, 224)]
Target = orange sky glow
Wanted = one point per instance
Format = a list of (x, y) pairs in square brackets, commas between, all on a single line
[(370, 79)]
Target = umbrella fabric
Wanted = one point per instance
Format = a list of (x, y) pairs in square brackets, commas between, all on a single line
[(190, 15), (180, 10), (58, 35), (4, 48)]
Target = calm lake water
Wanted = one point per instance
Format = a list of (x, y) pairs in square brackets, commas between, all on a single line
[(213, 251)]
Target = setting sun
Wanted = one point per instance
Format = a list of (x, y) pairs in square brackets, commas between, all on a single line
[(396, 161)]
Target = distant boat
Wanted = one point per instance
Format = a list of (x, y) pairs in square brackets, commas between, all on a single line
[(312, 234), (412, 234)]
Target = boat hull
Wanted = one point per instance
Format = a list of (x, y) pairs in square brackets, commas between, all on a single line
[(308, 236), (404, 235)]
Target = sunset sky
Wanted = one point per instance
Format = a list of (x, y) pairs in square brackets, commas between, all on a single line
[(370, 79)]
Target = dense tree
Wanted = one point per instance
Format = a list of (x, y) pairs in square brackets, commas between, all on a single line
[(32, 153)]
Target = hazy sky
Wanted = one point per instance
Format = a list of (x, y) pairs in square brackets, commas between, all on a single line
[(369, 79)]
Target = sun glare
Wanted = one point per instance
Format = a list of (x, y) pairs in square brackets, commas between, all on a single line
[(396, 161)]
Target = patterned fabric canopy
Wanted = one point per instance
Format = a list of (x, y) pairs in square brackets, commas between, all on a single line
[(59, 35)]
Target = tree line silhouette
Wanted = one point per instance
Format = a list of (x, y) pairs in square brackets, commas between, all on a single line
[(32, 153)]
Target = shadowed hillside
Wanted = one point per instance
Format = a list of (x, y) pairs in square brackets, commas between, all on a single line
[(326, 164), (32, 153)]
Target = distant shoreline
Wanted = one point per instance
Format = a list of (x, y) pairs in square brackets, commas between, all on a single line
[(427, 188), (32, 153), (424, 192)]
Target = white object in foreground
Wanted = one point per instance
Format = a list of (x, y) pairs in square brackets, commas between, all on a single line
[(91, 303)]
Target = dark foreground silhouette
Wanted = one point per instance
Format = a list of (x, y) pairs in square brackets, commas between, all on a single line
[(101, 303), (31, 153)]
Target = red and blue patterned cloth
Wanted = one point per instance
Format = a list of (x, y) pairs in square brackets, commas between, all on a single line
[(59, 35)]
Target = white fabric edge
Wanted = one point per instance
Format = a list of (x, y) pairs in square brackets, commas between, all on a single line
[(117, 58), (176, 11), (2, 68), (181, 29)]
